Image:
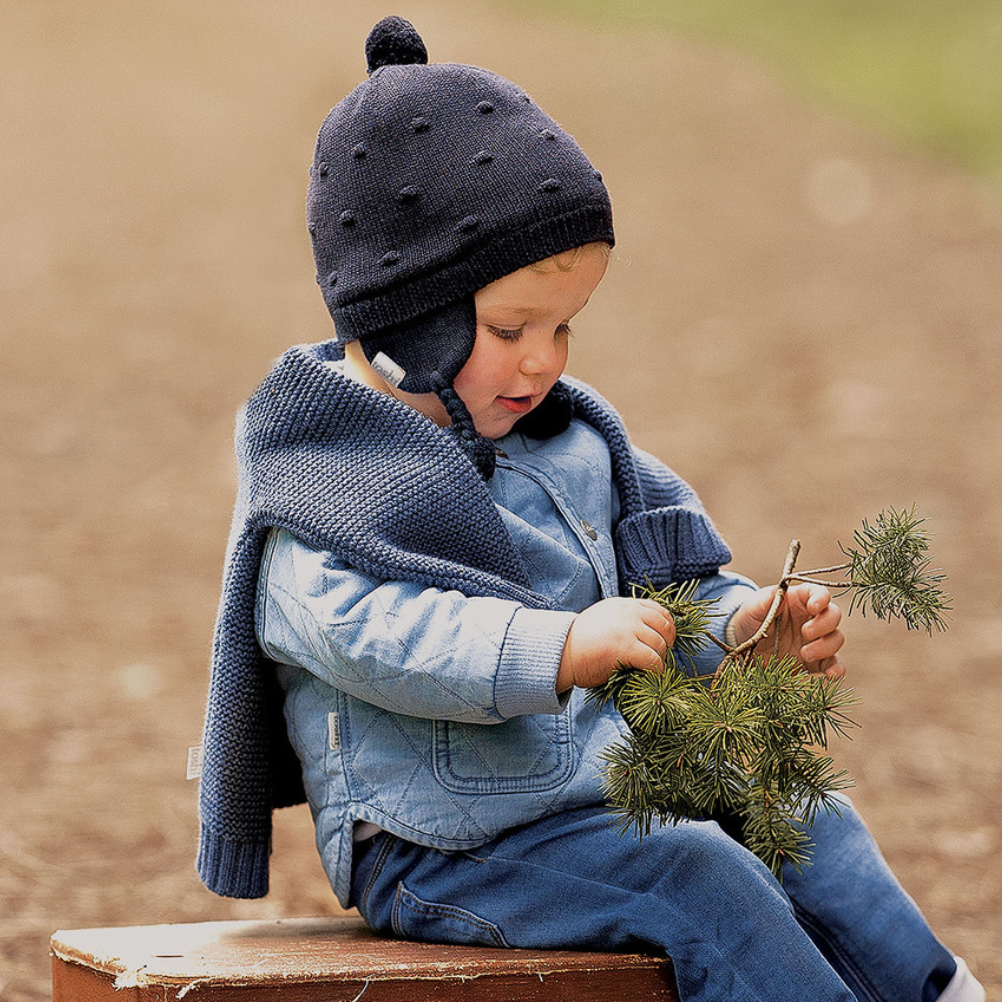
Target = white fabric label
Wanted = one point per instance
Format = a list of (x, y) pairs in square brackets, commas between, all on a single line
[(195, 755), (388, 369), (333, 731)]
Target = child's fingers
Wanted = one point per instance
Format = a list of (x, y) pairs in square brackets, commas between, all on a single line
[(759, 604), (826, 647), (647, 658), (833, 668), (812, 598), (827, 621), (653, 635), (646, 650), (818, 600), (658, 619)]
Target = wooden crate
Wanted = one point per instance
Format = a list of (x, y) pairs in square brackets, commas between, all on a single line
[(332, 960)]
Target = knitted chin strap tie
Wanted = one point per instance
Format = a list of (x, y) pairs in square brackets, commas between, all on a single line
[(480, 450)]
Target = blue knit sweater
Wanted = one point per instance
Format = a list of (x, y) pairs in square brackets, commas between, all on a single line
[(353, 471)]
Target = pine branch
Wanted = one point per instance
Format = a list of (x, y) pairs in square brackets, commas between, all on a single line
[(692, 620), (889, 570), (777, 602), (748, 749), (742, 749), (691, 616)]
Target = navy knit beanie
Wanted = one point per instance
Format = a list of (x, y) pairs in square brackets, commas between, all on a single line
[(428, 183)]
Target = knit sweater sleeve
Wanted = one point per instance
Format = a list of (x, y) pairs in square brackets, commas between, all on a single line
[(671, 538), (415, 650)]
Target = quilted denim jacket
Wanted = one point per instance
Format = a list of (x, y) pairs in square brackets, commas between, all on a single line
[(434, 715), (352, 471)]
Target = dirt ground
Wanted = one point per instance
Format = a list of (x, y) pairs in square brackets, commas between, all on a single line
[(801, 317)]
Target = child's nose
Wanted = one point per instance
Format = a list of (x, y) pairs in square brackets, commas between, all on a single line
[(539, 357)]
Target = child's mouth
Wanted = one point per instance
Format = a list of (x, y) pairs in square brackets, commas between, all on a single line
[(517, 405)]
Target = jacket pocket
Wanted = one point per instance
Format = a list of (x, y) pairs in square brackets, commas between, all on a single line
[(526, 754), (414, 918)]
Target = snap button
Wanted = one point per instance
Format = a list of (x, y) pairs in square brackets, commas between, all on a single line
[(589, 529)]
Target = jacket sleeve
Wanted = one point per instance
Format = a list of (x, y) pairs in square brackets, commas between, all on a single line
[(729, 591), (404, 647)]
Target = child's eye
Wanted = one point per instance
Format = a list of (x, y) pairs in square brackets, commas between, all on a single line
[(564, 330), (505, 333)]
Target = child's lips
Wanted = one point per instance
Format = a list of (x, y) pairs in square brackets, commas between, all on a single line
[(516, 405)]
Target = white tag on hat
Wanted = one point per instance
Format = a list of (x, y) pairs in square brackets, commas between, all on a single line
[(388, 369)]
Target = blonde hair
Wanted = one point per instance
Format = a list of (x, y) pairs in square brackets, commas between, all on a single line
[(568, 260)]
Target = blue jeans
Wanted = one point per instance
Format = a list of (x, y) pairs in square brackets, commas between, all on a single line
[(842, 930)]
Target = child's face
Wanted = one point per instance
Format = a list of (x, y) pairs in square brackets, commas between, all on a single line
[(523, 324)]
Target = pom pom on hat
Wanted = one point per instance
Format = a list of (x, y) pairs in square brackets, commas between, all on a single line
[(394, 42)]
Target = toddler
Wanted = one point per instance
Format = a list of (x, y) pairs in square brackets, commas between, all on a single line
[(434, 540)]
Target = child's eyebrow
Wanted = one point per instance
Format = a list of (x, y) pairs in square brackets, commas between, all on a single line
[(525, 311), (511, 308)]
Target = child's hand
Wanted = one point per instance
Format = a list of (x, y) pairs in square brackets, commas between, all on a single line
[(808, 623), (631, 631)]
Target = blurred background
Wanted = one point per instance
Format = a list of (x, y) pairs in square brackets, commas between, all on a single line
[(802, 317)]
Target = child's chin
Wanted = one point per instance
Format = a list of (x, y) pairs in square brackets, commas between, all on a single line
[(496, 428)]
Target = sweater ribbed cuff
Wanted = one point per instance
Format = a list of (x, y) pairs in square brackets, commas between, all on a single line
[(530, 656), (668, 544), (234, 869)]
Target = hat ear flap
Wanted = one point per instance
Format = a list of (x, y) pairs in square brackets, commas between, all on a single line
[(426, 353)]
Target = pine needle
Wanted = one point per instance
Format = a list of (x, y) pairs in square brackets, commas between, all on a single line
[(889, 572)]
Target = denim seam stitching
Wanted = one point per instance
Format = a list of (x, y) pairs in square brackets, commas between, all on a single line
[(377, 869), (810, 921), (437, 908)]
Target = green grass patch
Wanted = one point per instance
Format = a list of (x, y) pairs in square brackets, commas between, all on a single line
[(927, 71)]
